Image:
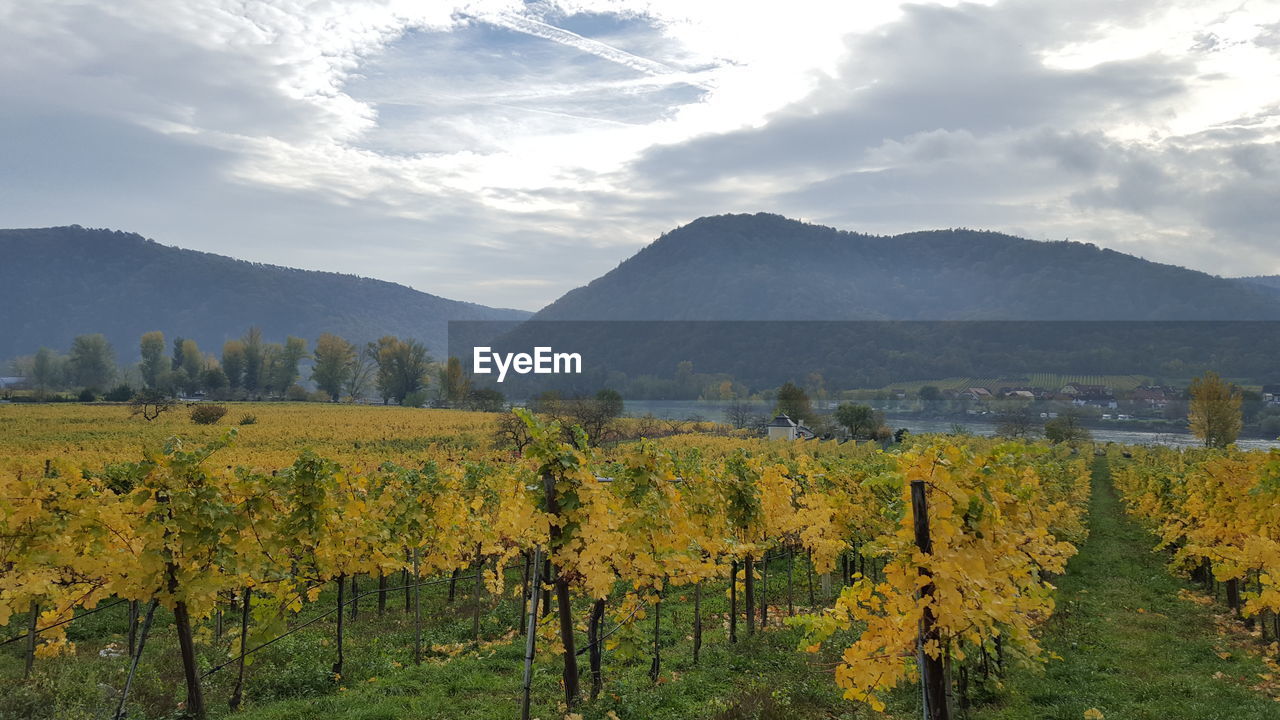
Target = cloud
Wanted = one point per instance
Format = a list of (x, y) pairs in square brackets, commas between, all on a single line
[(971, 116), (503, 152)]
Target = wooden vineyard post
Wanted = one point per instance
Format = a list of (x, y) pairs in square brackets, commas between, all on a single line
[(546, 577), (238, 692), (133, 626), (655, 670), (417, 612), (932, 675), (187, 646), (133, 662), (355, 596), (733, 601), (342, 586), (749, 589), (593, 637), (31, 639), (764, 591), (382, 593), (791, 572), (809, 567), (524, 589), (475, 596), (408, 590), (217, 618), (697, 621), (572, 693), (531, 633)]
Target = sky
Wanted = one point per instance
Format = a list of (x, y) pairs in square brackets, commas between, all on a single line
[(505, 152)]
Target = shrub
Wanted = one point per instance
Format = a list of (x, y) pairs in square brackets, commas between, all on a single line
[(296, 393), (86, 395), (416, 399), (206, 414), (120, 393), (248, 419)]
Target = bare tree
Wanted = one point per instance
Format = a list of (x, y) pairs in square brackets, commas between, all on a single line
[(740, 413), (512, 433), (1016, 421), (150, 403), (361, 371)]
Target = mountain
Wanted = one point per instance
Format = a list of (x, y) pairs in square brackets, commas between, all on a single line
[(1107, 312), (767, 267), (56, 283), (1268, 283)]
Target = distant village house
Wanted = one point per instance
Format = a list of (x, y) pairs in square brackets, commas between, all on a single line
[(784, 428)]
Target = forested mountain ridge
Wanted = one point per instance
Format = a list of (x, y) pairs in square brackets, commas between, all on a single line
[(1269, 283), (56, 283), (767, 267)]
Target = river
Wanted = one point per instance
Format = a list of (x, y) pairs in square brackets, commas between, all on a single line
[(715, 411)]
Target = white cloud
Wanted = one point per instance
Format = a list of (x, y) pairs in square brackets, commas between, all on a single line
[(546, 140)]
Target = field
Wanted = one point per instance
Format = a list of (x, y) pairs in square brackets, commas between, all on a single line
[(694, 576)]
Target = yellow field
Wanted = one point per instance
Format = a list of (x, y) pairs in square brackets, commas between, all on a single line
[(91, 435)]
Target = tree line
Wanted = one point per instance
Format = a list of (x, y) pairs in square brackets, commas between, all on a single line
[(397, 370)]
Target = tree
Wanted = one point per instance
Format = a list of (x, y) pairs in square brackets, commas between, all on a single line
[(454, 384), (1066, 429), (740, 414), (1214, 412), (213, 379), (402, 367), (46, 369), (154, 362), (91, 361), (361, 373), (931, 396), (285, 372), (609, 402), (280, 364), (179, 346), (334, 361), (512, 433), (794, 402), (150, 403), (192, 365), (859, 420), (233, 362), (595, 414), (486, 400), (1015, 421), (253, 351)]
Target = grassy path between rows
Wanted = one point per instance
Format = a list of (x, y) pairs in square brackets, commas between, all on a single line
[(1130, 646)]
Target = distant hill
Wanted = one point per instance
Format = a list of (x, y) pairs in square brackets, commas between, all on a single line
[(1268, 283), (56, 283), (767, 267), (1026, 306)]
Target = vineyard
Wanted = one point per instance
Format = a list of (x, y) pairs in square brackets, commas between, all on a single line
[(1218, 513), (313, 550)]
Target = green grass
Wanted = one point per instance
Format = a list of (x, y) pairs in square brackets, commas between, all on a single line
[(760, 677), (1158, 664)]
